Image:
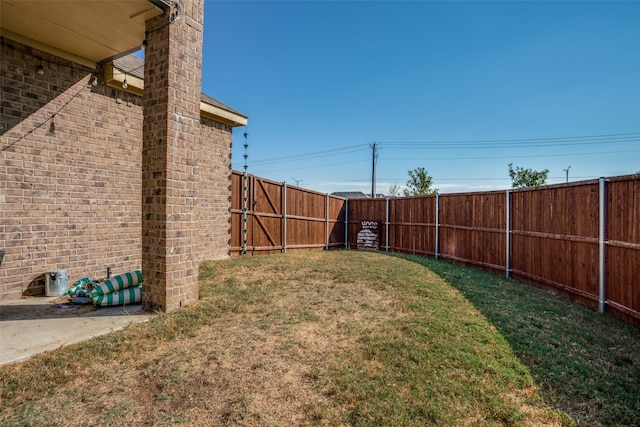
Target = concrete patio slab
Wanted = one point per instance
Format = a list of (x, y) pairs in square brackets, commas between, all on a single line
[(34, 325)]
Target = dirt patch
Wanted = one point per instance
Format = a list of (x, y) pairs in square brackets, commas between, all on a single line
[(41, 308)]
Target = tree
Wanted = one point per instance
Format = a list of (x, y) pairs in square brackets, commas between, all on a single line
[(521, 177), (419, 183), (394, 190)]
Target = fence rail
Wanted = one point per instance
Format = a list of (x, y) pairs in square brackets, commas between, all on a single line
[(581, 239)]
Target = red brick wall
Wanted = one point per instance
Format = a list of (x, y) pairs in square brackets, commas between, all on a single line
[(170, 170), (71, 199), (214, 197)]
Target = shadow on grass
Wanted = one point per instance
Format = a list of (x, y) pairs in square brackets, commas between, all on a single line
[(586, 364)]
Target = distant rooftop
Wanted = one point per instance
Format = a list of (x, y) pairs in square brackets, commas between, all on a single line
[(350, 194)]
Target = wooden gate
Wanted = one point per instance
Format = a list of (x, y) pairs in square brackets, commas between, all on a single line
[(272, 217)]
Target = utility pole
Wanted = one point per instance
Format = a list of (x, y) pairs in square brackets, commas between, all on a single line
[(567, 172), (298, 181), (374, 158)]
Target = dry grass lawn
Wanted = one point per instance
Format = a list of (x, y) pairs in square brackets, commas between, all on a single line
[(314, 338)]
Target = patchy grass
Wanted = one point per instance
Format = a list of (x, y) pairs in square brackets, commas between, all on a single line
[(314, 338), (587, 364)]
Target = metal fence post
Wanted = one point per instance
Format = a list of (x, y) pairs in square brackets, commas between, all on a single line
[(602, 298), (437, 249), (346, 223), (326, 227), (284, 218), (386, 230), (507, 262)]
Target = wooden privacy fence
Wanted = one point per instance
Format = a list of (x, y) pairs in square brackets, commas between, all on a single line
[(580, 239), (270, 217)]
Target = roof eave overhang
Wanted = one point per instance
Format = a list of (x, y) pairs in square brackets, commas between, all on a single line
[(84, 32), (47, 48), (115, 78), (221, 115)]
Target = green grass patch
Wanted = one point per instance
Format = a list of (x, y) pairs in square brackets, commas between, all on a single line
[(586, 364)]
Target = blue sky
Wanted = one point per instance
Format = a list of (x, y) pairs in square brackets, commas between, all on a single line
[(472, 86)]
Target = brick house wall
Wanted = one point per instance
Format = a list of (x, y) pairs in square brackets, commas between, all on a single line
[(70, 194), (214, 196)]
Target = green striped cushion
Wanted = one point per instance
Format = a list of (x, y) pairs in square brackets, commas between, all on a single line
[(129, 295), (116, 283)]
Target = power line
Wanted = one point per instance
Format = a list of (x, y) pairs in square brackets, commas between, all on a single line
[(522, 142), (585, 140), (522, 156), (478, 144), (315, 154), (505, 146), (315, 166), (505, 178), (363, 160)]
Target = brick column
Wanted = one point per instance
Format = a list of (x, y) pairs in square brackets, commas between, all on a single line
[(171, 131)]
